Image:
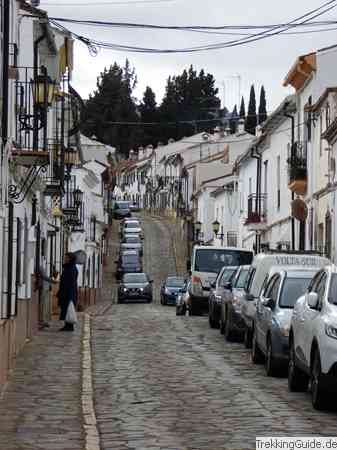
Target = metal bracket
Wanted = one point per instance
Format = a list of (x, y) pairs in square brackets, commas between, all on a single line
[(18, 194)]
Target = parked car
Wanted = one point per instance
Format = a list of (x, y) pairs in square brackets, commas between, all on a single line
[(231, 321), (183, 299), (258, 276), (273, 316), (169, 290), (215, 297), (132, 242), (313, 340), (134, 207), (135, 286), (206, 263), (121, 210), (131, 228), (129, 262)]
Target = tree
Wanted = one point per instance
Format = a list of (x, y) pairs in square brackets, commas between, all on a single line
[(234, 120), (242, 109), (262, 106), (251, 119), (190, 102), (149, 134), (112, 102)]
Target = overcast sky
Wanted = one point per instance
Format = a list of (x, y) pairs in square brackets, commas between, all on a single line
[(264, 62)]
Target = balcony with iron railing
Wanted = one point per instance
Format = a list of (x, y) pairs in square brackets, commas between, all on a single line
[(257, 212), (297, 168)]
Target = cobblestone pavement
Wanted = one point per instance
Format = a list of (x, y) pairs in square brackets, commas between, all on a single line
[(41, 407), (167, 382)]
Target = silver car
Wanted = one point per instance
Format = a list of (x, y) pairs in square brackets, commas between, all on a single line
[(273, 315)]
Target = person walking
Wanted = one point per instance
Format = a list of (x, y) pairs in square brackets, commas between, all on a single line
[(44, 283), (68, 289)]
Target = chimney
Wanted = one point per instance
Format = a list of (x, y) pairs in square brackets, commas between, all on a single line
[(228, 131), (148, 150), (241, 127), (170, 141), (218, 133), (141, 152), (132, 155)]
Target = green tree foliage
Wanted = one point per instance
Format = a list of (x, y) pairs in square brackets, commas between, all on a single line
[(251, 119), (262, 106), (233, 123), (111, 102), (190, 98), (242, 109), (149, 134)]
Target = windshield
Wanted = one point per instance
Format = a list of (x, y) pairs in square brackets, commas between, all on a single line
[(122, 205), (292, 289), (132, 225), (333, 290), (241, 281), (130, 259), (132, 240), (227, 275), (135, 278), (175, 282), (209, 260)]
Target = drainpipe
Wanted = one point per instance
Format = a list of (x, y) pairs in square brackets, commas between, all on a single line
[(5, 90), (256, 155), (292, 118)]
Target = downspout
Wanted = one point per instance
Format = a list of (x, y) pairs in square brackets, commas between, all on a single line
[(5, 75), (36, 71), (292, 118), (257, 156)]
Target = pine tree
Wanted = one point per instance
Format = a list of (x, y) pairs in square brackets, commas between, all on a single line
[(149, 134), (262, 106), (242, 109), (234, 120), (113, 102), (251, 119)]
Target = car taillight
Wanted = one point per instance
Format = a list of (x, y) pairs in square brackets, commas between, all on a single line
[(196, 285)]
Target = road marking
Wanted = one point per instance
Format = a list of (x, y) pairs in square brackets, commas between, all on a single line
[(91, 433)]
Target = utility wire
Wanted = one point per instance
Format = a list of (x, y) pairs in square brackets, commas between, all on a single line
[(93, 45), (118, 3)]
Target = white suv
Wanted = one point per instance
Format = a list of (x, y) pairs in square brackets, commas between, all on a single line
[(313, 339)]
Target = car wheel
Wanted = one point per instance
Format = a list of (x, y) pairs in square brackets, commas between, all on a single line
[(297, 380), (318, 387), (271, 365), (247, 339), (119, 300), (256, 354), (150, 300), (211, 321), (229, 334), (222, 327)]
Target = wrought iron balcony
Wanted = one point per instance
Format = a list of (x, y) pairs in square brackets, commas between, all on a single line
[(232, 239), (297, 168), (257, 211)]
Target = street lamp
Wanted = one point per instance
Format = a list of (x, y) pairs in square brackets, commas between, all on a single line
[(70, 158), (78, 197), (43, 89), (216, 229), (197, 227)]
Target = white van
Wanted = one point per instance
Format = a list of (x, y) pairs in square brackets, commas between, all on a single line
[(207, 261), (263, 267)]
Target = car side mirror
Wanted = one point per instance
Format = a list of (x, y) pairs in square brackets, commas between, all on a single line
[(188, 265), (228, 285), (312, 300), (250, 297), (269, 303), (213, 285)]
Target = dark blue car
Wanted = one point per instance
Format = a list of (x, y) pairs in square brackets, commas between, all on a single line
[(170, 290)]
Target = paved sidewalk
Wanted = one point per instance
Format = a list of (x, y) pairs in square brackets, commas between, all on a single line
[(41, 407)]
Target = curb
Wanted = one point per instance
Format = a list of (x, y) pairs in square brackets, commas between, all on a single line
[(91, 433)]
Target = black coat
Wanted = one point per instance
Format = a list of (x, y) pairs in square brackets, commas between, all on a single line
[(68, 288)]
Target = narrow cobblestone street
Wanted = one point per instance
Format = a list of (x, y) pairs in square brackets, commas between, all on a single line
[(167, 382)]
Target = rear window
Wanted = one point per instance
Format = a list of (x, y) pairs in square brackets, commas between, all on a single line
[(132, 225), (242, 278), (209, 260), (135, 278), (122, 205), (130, 259), (292, 289), (132, 240)]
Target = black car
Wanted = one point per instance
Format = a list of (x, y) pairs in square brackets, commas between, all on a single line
[(135, 286), (132, 243), (128, 263), (170, 290), (121, 210), (217, 288)]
